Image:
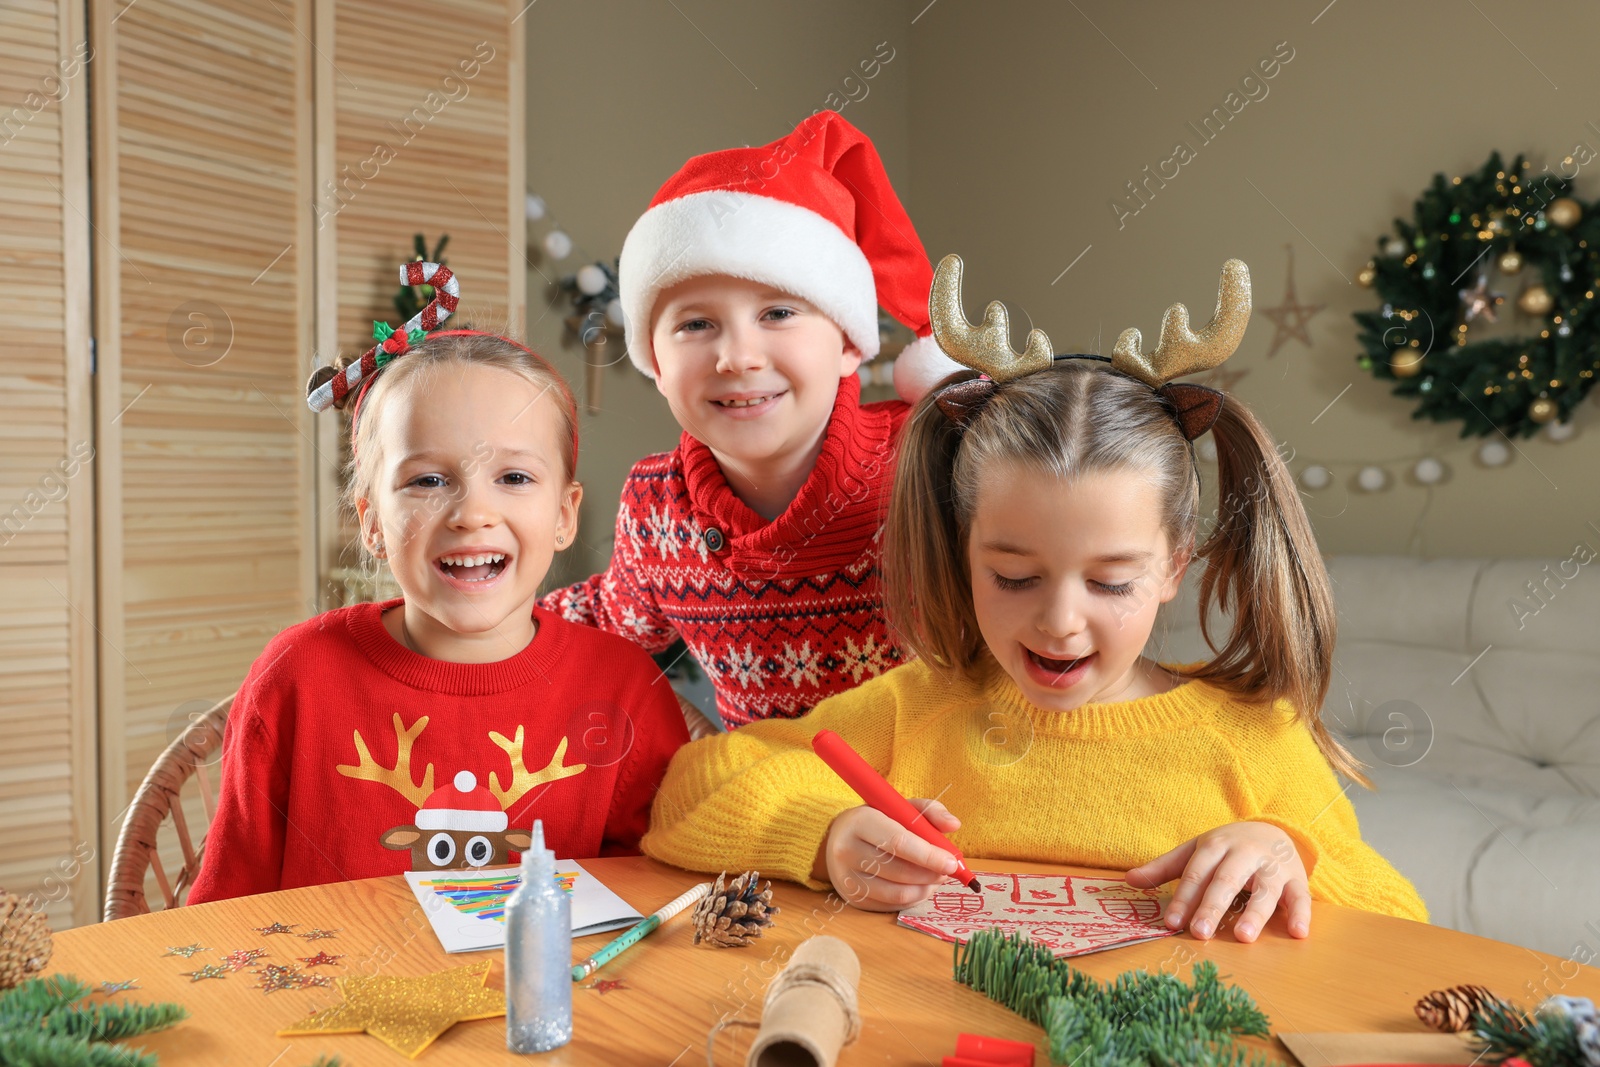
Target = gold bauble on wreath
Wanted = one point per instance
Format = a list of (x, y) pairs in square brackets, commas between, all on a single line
[(1406, 363), (1510, 261), (1564, 212), (1543, 410), (24, 940), (1367, 275), (1536, 300)]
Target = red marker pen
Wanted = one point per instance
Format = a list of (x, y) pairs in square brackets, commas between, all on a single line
[(877, 793)]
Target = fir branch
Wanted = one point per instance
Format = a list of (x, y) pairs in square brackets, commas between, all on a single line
[(1544, 1039), (44, 1022), (1134, 1020), (24, 1048), (112, 1022)]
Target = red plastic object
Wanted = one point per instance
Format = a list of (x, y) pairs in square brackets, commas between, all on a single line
[(973, 1050)]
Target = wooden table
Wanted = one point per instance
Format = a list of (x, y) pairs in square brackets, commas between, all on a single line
[(1357, 972)]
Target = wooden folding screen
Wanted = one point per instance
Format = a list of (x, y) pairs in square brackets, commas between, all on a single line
[(47, 465), (204, 307)]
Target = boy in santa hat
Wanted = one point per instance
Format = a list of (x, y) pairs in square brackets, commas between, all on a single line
[(750, 290)]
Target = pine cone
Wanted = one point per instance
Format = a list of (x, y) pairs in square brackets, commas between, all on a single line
[(1451, 1010), (24, 940), (731, 916)]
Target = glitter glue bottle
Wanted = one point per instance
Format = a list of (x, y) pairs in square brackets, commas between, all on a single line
[(538, 955)]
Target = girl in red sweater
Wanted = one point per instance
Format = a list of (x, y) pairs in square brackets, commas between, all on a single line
[(428, 732)]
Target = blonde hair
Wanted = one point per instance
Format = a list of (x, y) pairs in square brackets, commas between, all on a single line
[(447, 348), (1078, 417)]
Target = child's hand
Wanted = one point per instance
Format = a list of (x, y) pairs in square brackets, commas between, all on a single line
[(1221, 863), (878, 865)]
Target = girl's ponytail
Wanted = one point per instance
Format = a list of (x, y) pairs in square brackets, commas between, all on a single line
[(927, 595), (1264, 571)]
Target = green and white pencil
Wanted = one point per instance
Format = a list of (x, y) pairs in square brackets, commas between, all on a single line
[(637, 931)]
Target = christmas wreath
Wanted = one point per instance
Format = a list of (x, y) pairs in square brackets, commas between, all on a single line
[(1437, 275)]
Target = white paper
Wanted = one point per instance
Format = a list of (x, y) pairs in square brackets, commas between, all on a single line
[(466, 908)]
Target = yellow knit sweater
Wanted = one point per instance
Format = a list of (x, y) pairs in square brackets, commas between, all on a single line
[(1106, 785)]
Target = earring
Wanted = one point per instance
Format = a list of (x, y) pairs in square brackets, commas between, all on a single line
[(560, 540)]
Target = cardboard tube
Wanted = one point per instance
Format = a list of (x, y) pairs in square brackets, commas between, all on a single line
[(805, 1023)]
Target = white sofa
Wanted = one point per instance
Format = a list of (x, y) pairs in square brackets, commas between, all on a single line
[(1480, 722)]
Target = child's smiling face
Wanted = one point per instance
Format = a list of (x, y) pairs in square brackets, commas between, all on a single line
[(749, 370), (1066, 580), (470, 469)]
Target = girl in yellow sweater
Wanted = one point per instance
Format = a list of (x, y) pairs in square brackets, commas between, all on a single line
[(1043, 509)]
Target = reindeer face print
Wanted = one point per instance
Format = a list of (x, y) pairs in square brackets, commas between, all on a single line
[(461, 824)]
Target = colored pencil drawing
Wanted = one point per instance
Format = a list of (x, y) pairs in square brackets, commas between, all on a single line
[(484, 896)]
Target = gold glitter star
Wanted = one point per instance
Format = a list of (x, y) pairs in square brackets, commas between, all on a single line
[(276, 928), (210, 970), (407, 1014), (316, 933), (1290, 317)]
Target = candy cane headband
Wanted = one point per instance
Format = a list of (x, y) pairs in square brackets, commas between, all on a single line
[(987, 349), (329, 386)]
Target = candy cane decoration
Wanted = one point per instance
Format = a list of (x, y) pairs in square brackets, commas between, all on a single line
[(392, 343)]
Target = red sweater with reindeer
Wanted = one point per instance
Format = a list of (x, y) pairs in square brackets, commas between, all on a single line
[(781, 614), (347, 755)]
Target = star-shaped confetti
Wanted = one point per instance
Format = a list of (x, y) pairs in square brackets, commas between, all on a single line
[(1290, 317), (321, 959), (108, 988), (276, 928), (210, 970), (407, 1014), (1479, 301), (317, 933), (183, 950), (242, 958), (275, 976), (606, 985)]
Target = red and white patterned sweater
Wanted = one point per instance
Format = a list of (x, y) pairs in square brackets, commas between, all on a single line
[(781, 614)]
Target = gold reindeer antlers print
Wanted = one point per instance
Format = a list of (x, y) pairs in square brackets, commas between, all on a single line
[(1182, 350), (523, 777), (399, 776), (985, 348)]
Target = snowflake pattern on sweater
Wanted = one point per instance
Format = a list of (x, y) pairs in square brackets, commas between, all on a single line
[(781, 615)]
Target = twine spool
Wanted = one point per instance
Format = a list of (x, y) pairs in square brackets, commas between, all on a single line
[(810, 1009)]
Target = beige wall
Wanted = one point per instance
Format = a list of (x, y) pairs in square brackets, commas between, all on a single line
[(1009, 128)]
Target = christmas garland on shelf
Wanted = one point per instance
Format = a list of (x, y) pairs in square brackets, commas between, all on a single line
[(1136, 1020), (1434, 277)]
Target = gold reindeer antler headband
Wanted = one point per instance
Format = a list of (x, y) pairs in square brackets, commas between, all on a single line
[(987, 348)]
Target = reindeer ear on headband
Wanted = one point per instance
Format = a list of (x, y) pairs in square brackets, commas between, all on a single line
[(329, 386), (1181, 350)]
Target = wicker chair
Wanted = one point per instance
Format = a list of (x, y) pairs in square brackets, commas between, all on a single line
[(158, 797)]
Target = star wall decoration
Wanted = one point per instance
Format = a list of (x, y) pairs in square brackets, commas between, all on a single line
[(1289, 318)]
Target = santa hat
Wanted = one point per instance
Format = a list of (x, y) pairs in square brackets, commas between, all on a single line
[(813, 214), (461, 805)]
